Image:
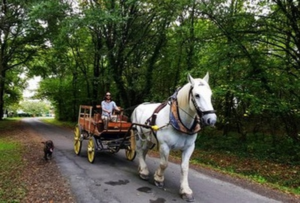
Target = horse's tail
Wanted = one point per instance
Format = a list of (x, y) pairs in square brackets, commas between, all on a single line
[(140, 129), (133, 117)]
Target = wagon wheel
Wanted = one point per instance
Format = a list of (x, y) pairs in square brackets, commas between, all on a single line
[(91, 149), (77, 139), (130, 151)]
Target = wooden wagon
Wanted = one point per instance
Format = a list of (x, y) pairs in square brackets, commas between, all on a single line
[(110, 136)]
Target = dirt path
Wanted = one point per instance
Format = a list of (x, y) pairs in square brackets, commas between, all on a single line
[(43, 181)]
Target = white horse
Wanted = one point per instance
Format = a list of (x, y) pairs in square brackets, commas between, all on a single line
[(175, 124)]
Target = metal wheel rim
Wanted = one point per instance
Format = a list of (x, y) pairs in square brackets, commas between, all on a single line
[(130, 151), (130, 154), (91, 150), (77, 140)]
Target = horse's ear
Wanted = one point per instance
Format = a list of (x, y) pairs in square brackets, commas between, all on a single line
[(191, 79), (206, 77)]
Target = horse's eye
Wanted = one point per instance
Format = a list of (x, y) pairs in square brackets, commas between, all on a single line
[(197, 96)]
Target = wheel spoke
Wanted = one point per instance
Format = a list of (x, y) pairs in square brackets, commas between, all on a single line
[(130, 152), (91, 150), (77, 141)]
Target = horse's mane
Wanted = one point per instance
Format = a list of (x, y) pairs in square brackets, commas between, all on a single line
[(183, 93)]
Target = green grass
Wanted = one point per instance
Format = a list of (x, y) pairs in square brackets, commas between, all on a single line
[(11, 163), (263, 158), (11, 189), (6, 124)]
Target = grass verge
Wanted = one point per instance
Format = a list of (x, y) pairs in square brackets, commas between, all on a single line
[(11, 190), (260, 158)]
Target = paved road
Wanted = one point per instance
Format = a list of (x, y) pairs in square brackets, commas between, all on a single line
[(113, 179)]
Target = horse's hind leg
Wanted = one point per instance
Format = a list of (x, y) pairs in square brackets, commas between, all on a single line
[(159, 173), (142, 150)]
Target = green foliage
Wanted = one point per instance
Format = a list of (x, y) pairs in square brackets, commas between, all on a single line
[(22, 35), (37, 108), (56, 91), (11, 163), (142, 51), (267, 159), (14, 86), (280, 149)]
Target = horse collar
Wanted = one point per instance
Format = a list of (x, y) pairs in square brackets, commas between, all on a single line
[(176, 122)]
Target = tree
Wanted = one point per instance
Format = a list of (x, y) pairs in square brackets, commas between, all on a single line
[(22, 33), (35, 108), (13, 89), (142, 51)]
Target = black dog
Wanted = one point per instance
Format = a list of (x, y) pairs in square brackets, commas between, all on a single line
[(48, 149)]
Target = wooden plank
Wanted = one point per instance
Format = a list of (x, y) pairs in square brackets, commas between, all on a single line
[(85, 107), (119, 125)]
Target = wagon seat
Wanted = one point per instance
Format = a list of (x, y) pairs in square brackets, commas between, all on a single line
[(97, 110)]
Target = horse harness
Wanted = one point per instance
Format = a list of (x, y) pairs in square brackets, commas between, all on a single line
[(175, 120)]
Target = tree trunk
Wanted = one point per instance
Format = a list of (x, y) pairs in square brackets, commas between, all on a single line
[(97, 58), (2, 81)]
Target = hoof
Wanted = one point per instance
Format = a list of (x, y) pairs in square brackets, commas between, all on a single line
[(159, 184), (188, 197), (144, 177)]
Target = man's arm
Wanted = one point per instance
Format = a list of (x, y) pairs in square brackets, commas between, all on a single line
[(116, 107)]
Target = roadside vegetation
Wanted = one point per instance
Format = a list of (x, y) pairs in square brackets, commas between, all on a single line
[(30, 109), (25, 176), (11, 189), (275, 163)]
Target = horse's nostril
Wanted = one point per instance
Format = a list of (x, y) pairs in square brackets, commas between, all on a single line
[(211, 121)]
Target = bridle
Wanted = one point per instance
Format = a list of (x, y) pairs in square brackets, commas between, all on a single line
[(200, 113)]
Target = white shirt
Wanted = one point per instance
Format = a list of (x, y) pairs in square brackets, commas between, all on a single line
[(108, 106)]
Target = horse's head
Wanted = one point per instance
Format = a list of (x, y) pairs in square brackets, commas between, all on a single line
[(200, 99)]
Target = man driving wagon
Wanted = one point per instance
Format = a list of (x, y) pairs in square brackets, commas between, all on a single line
[(108, 107), (105, 128)]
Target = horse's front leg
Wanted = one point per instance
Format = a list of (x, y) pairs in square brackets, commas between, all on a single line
[(159, 173), (185, 190)]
